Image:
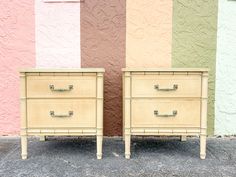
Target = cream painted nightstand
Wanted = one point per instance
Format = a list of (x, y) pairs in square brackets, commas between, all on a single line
[(63, 102), (165, 102)]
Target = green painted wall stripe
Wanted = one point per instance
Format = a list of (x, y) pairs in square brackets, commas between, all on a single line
[(194, 41)]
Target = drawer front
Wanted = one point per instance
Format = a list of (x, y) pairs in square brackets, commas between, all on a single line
[(166, 86), (165, 113), (55, 113), (61, 86)]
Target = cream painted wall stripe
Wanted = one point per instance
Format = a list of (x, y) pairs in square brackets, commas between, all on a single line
[(225, 104), (57, 28), (148, 33)]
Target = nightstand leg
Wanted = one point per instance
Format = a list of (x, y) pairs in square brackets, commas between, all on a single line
[(183, 138), (127, 146), (42, 138), (203, 146), (99, 147), (24, 147), (123, 136)]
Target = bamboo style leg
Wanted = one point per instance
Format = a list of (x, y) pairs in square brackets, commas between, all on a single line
[(204, 115), (23, 116), (100, 83), (127, 146), (42, 138), (123, 135), (183, 138), (203, 146), (99, 147), (127, 113), (24, 147)]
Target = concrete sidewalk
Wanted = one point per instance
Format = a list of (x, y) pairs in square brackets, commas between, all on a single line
[(150, 157)]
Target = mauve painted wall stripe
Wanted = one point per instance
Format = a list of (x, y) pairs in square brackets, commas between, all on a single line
[(16, 51), (103, 45)]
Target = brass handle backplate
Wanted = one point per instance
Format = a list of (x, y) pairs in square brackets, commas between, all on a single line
[(174, 113), (175, 87), (52, 88), (70, 113)]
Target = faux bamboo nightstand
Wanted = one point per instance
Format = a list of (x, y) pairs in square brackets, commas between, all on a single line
[(166, 102), (61, 102)]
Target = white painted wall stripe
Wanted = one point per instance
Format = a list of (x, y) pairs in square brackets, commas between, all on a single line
[(57, 28), (225, 104)]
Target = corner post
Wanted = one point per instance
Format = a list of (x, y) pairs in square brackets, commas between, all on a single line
[(100, 83), (127, 117), (204, 115), (23, 115)]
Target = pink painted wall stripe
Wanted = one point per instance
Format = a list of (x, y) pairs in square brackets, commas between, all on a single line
[(57, 29), (16, 51)]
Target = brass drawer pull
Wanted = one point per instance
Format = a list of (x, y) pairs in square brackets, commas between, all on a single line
[(175, 87), (174, 113), (52, 88), (70, 113)]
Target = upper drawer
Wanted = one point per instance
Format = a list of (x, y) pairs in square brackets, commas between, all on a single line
[(61, 86), (166, 86)]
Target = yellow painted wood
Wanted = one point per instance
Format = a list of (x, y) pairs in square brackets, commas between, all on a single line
[(62, 132), (127, 113), (63, 112), (204, 115), (84, 113), (99, 113), (39, 86), (23, 112), (164, 70), (123, 108), (66, 70), (24, 147), (42, 138), (143, 113), (181, 112), (183, 138), (145, 85)]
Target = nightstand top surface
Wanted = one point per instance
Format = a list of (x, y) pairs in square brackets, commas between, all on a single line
[(66, 70), (165, 69)]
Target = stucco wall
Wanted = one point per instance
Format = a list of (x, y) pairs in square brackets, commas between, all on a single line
[(225, 105), (57, 27), (16, 51), (103, 45), (148, 33), (97, 29), (194, 41)]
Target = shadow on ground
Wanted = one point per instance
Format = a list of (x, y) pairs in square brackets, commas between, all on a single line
[(74, 156)]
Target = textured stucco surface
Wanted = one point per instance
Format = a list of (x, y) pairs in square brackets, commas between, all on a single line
[(194, 41), (225, 107), (148, 33), (16, 51), (57, 29), (103, 45)]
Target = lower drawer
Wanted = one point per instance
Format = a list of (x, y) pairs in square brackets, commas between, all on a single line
[(55, 113), (165, 113)]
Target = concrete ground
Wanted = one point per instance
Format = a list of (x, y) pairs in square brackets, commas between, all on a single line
[(150, 157)]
